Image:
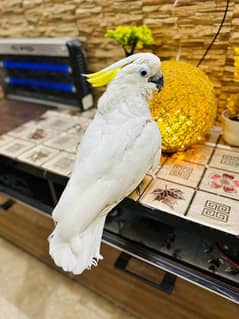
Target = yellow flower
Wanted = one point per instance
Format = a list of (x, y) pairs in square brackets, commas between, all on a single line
[(131, 38)]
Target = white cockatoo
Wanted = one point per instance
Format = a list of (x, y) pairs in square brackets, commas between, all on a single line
[(120, 146)]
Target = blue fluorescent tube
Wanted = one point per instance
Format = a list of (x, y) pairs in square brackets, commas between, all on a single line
[(42, 84), (65, 68)]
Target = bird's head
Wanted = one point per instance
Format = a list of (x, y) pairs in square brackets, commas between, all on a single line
[(140, 69)]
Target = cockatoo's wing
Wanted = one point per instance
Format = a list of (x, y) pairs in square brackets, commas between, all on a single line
[(112, 160), (106, 153)]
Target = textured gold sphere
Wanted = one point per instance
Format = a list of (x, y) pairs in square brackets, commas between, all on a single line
[(186, 107)]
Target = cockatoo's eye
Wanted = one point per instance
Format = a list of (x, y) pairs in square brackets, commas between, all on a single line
[(143, 72)]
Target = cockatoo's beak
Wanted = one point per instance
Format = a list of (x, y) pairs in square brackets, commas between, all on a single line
[(158, 80)]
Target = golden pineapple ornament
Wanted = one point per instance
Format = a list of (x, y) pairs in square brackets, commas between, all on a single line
[(186, 107)]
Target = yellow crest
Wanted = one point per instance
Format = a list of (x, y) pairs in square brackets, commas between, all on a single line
[(106, 75), (101, 78)]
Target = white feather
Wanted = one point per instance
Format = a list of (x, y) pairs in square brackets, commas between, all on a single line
[(121, 144)]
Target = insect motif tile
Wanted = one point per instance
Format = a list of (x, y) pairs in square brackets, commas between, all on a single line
[(225, 159), (215, 211), (38, 135), (137, 193), (188, 174), (167, 196), (222, 144), (66, 142), (221, 182), (38, 155), (15, 148), (199, 154), (61, 164)]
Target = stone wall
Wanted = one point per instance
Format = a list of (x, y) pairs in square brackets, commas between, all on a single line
[(184, 30)]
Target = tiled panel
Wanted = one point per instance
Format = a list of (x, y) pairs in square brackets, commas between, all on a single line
[(215, 211), (225, 159), (66, 142), (38, 155), (221, 182), (24, 129), (61, 164), (224, 145), (141, 188), (163, 159), (5, 139), (212, 166), (58, 123), (212, 138), (198, 154), (80, 127), (51, 113), (37, 135), (167, 196), (15, 148), (217, 129), (181, 172)]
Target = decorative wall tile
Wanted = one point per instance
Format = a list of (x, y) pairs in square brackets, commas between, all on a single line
[(216, 128), (15, 148), (24, 129), (221, 182), (181, 172), (52, 114), (215, 211), (66, 142), (225, 159), (81, 124), (135, 195), (5, 139), (198, 154), (224, 145), (37, 135), (167, 196), (212, 138), (38, 155), (61, 164), (58, 123)]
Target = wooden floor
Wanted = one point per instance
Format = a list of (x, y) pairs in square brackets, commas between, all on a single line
[(31, 290)]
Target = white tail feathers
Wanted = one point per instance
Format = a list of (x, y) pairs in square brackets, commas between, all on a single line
[(82, 251)]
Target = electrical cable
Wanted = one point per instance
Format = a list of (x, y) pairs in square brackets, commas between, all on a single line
[(216, 35)]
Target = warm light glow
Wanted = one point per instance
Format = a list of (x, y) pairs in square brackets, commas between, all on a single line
[(186, 107)]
